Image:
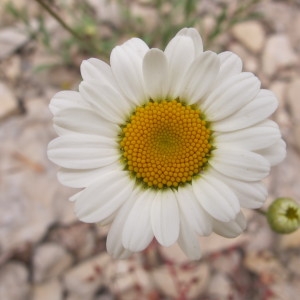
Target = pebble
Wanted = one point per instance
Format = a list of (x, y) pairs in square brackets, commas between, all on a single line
[(11, 39), (14, 283), (251, 34), (293, 100), (290, 241), (124, 276), (86, 278), (9, 102), (50, 290), (266, 265), (50, 260), (220, 287), (173, 280), (278, 54)]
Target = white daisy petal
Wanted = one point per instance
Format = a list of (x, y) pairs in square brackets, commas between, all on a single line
[(230, 229), (204, 69), (275, 153), (188, 241), (96, 69), (191, 210), (216, 198), (103, 197), (195, 36), (240, 164), (180, 53), (66, 99), (231, 65), (126, 64), (114, 243), (155, 70), (137, 46), (226, 99), (165, 218), (75, 196), (253, 138), (83, 178), (260, 108), (250, 194), (79, 120), (137, 231), (108, 101), (83, 151)]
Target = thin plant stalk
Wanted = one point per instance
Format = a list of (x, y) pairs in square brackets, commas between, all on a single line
[(75, 34)]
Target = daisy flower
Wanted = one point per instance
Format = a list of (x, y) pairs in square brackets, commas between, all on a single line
[(165, 144)]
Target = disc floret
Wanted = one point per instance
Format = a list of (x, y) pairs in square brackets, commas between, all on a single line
[(165, 144)]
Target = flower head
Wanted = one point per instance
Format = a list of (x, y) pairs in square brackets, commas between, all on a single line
[(284, 215), (165, 144)]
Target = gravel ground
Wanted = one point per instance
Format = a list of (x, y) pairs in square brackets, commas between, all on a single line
[(45, 253)]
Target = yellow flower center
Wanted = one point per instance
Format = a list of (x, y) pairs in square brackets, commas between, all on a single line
[(165, 144)]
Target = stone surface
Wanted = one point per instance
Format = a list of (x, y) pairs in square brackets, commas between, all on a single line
[(87, 277), (175, 281), (50, 290), (290, 241), (293, 98), (124, 276), (50, 260), (251, 34), (11, 38), (278, 54), (266, 265), (9, 102), (77, 238), (29, 190), (14, 283), (220, 287)]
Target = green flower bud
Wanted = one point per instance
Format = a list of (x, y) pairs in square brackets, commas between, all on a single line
[(284, 215)]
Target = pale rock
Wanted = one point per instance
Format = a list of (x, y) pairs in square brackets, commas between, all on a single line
[(227, 262), (279, 88), (50, 260), (285, 290), (50, 290), (147, 14), (278, 54), (208, 25), (107, 10), (78, 238), (196, 278), (29, 189), (14, 283), (208, 245), (8, 101), (215, 243), (12, 67), (37, 109), (290, 241), (11, 39), (86, 278), (286, 180), (294, 263), (220, 287), (293, 99), (262, 236), (123, 276), (251, 34), (296, 129), (249, 61), (265, 264)]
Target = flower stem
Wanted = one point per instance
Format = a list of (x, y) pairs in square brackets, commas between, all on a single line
[(75, 34), (260, 211)]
